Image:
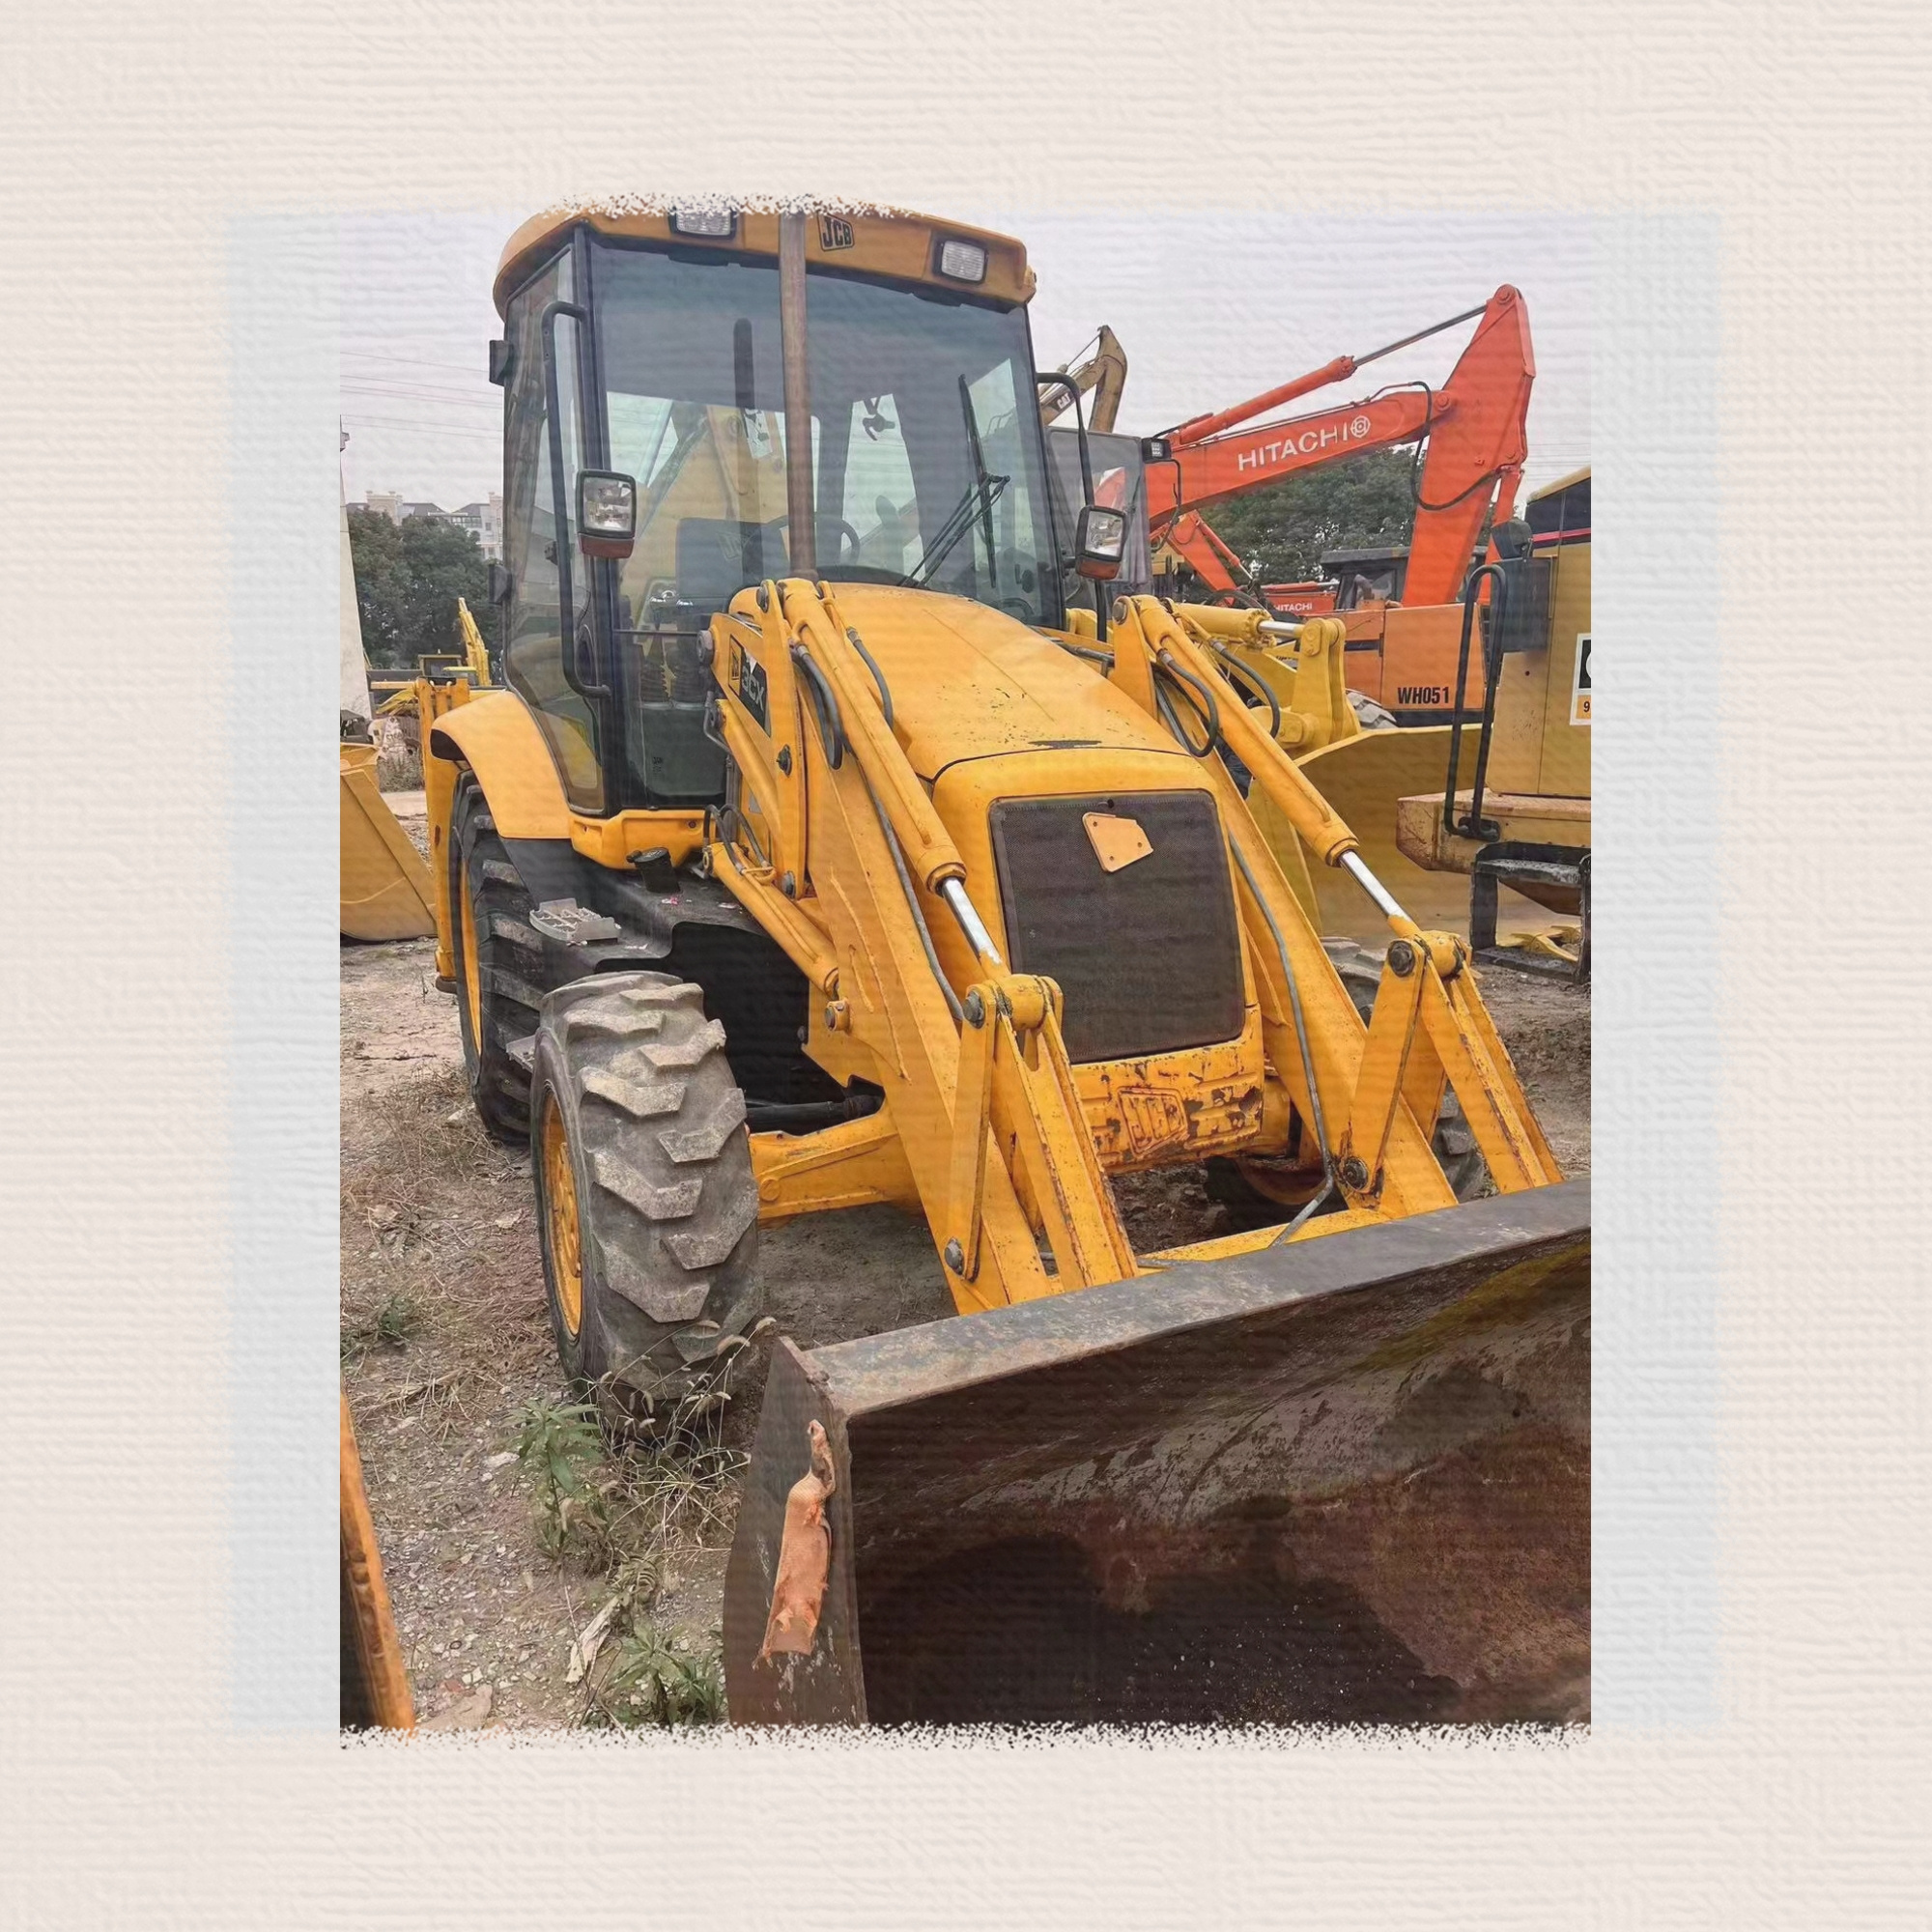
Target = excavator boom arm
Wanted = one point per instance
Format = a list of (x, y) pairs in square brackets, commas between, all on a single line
[(1473, 427)]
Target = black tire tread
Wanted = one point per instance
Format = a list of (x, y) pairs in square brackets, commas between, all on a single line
[(499, 1078), (668, 1221)]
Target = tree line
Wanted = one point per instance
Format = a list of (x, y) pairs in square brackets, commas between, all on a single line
[(407, 578), (1281, 530)]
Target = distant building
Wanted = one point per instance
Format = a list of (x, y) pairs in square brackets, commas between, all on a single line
[(484, 521)]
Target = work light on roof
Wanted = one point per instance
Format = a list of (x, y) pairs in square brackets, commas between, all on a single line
[(714, 224), (963, 261)]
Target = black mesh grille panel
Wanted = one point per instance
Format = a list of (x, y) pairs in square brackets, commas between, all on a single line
[(1148, 957)]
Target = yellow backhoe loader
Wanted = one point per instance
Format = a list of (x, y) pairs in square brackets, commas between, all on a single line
[(818, 853)]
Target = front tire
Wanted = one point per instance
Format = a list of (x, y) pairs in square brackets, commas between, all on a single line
[(646, 1205)]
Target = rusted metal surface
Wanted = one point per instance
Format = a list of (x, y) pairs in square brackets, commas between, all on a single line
[(1347, 1480), (804, 1556)]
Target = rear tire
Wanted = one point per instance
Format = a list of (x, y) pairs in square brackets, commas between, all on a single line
[(647, 1210), (499, 966)]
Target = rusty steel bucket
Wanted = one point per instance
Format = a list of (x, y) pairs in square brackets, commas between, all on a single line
[(1344, 1481)]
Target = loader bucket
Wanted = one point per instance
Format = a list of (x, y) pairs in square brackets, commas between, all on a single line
[(1344, 1481), (1363, 778), (374, 1688), (386, 891)]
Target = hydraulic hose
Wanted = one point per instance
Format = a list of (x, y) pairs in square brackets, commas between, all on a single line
[(1301, 1042)]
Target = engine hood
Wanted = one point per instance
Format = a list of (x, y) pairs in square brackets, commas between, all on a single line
[(971, 682)]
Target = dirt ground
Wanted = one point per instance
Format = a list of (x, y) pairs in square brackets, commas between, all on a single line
[(445, 1340)]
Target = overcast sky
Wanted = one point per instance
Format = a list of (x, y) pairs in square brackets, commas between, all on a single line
[(1211, 308)]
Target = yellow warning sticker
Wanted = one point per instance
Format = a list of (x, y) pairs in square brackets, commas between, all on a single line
[(1580, 683)]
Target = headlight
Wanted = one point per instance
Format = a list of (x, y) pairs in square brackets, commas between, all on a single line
[(607, 513), (963, 261), (713, 226), (1100, 542)]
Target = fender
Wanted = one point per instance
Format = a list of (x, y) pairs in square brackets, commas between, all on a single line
[(496, 736)]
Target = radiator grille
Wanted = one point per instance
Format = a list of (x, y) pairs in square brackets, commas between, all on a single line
[(1148, 957)]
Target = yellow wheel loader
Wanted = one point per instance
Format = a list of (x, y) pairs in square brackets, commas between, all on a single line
[(1524, 824), (819, 853)]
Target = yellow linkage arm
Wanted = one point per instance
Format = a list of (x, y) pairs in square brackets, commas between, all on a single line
[(928, 848), (1150, 627), (1015, 1080), (982, 1118), (1429, 1026)]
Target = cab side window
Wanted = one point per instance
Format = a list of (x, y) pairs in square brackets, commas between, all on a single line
[(533, 657)]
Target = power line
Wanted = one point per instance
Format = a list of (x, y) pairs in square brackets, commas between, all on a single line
[(422, 395), (416, 361), (433, 429)]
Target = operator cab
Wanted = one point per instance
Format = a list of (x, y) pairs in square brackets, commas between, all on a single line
[(1366, 576), (642, 365)]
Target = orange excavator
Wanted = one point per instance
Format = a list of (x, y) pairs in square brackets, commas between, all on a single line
[(1402, 610)]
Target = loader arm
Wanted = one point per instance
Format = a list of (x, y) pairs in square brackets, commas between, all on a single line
[(835, 846), (981, 1100), (1429, 1028)]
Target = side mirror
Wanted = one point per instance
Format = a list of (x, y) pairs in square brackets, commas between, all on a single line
[(607, 513), (500, 583), (1100, 543)]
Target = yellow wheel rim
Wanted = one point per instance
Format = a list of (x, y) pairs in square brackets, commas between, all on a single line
[(473, 989), (560, 1209)]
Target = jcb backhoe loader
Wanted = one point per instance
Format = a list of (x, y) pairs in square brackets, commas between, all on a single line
[(815, 857)]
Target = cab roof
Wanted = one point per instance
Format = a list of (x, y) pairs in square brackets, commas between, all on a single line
[(894, 244), (1561, 484)]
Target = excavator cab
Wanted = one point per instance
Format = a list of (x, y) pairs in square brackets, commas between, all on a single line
[(819, 855)]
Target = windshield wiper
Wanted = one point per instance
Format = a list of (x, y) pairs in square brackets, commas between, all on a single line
[(980, 474), (981, 493)]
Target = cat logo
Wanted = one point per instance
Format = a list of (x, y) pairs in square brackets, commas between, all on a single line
[(834, 232)]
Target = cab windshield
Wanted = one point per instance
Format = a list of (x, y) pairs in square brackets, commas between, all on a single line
[(928, 452)]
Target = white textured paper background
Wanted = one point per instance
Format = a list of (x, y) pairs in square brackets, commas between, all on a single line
[(1755, 179)]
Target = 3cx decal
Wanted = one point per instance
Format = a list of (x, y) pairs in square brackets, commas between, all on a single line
[(747, 675)]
